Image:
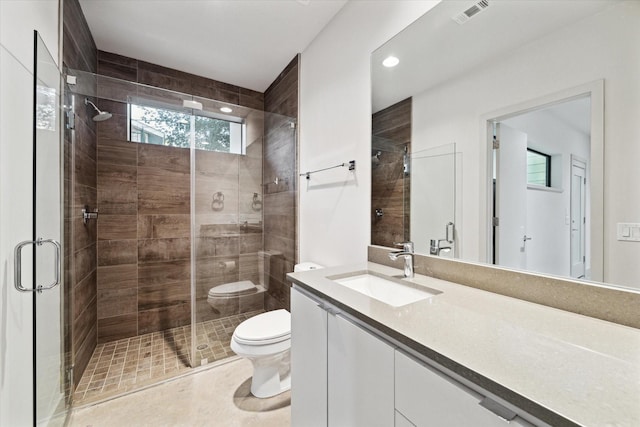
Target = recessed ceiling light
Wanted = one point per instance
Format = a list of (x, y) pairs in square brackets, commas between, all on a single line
[(390, 61), (226, 109)]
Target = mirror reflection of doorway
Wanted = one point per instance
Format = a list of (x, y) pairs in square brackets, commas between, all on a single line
[(541, 193), (578, 217)]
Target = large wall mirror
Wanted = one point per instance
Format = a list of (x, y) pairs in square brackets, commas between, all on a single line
[(506, 132)]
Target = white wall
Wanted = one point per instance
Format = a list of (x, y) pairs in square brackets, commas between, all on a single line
[(547, 211), (452, 113), (18, 19), (335, 126)]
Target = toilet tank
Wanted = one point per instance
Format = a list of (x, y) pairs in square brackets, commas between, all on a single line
[(306, 266)]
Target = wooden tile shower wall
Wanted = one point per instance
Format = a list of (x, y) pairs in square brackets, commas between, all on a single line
[(391, 133), (80, 189), (144, 200), (280, 161)]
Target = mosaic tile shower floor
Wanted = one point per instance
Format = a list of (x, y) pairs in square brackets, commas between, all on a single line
[(129, 364)]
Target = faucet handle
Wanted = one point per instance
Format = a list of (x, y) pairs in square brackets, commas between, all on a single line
[(406, 246)]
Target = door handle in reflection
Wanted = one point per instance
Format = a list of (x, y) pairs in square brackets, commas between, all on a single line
[(17, 257)]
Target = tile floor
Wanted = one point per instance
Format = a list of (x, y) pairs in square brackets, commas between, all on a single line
[(132, 363), (217, 397)]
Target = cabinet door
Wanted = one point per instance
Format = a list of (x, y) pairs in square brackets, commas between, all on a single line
[(308, 362), (360, 370), (427, 397)]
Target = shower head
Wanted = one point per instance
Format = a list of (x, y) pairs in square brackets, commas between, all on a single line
[(101, 116)]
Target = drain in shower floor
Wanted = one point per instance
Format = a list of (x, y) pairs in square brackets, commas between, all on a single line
[(202, 347)]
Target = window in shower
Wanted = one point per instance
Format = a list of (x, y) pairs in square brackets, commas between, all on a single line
[(161, 126)]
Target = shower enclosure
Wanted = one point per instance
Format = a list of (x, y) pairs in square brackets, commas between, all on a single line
[(178, 215), (390, 192)]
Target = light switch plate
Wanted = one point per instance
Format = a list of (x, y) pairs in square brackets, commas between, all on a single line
[(629, 231)]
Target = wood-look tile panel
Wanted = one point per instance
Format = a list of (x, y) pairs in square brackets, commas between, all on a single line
[(251, 99), (165, 202), (116, 302), (164, 318), (114, 58), (250, 243), (165, 78), (85, 140), (283, 97), (117, 152), (74, 20), (157, 273), (71, 55), (84, 351), (118, 276), (83, 195), (113, 176), (83, 293), (84, 324), (164, 158), (280, 225), (164, 295), (157, 179), (83, 234), (117, 227), (115, 127), (116, 252), (115, 201), (117, 327), (118, 71), (157, 250), (280, 244), (85, 169), (85, 262), (164, 226)]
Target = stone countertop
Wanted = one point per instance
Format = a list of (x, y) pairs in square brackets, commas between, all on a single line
[(561, 367)]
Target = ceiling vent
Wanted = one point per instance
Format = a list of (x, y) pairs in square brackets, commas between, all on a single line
[(471, 12)]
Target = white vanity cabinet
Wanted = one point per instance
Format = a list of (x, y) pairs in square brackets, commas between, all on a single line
[(345, 376), (341, 374), (426, 397), (308, 362)]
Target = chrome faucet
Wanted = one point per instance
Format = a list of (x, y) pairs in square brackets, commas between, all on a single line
[(407, 254)]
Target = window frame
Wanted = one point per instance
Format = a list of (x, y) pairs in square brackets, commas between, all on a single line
[(547, 158)]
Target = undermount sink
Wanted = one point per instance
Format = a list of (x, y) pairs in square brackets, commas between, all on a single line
[(388, 290)]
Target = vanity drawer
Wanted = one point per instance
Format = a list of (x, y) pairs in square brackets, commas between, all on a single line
[(427, 397)]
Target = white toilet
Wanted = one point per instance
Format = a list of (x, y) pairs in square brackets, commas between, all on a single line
[(242, 296), (265, 340)]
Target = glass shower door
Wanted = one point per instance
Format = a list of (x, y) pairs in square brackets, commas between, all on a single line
[(433, 200), (50, 376)]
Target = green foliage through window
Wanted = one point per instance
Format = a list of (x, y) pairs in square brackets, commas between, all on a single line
[(174, 129)]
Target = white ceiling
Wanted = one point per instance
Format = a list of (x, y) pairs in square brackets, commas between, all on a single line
[(435, 49), (243, 42)]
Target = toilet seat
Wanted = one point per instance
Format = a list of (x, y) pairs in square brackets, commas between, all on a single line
[(266, 328), (233, 289)]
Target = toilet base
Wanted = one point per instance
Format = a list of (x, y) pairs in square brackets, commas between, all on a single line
[(271, 375)]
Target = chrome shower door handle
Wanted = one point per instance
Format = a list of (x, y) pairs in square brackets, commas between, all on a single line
[(17, 259)]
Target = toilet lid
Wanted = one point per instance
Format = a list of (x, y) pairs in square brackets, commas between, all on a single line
[(233, 289), (266, 328)]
